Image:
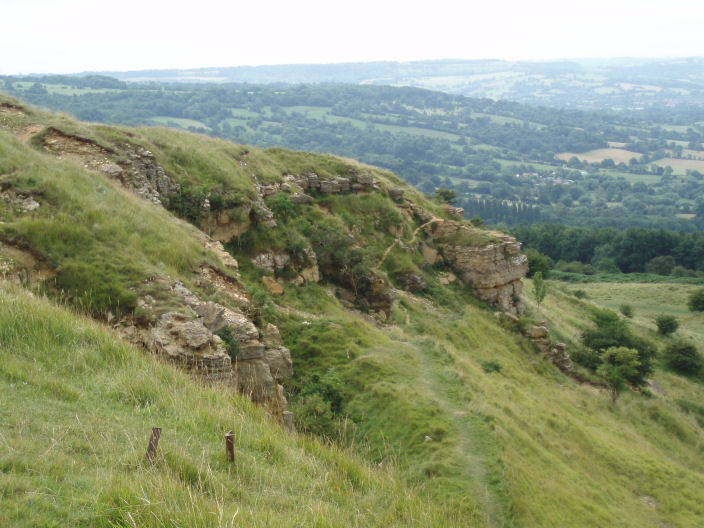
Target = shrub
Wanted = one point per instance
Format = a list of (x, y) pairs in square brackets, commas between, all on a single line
[(667, 324), (612, 331), (580, 294), (696, 301), (618, 364), (586, 357), (537, 262), (491, 366), (683, 357), (281, 206), (626, 310), (662, 265), (575, 267)]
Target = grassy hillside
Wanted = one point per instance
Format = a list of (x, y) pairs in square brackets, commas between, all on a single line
[(464, 423), (78, 408)]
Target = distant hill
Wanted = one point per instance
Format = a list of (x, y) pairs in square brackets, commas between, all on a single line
[(620, 84)]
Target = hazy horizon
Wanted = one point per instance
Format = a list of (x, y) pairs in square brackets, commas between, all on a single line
[(73, 37)]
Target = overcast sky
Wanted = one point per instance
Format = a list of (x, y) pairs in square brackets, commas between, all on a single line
[(62, 36)]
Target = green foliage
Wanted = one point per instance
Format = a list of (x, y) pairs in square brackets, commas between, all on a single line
[(580, 294), (695, 302), (612, 332), (618, 364), (314, 415), (282, 207), (667, 324), (626, 310), (575, 267), (491, 366), (444, 195), (231, 342), (662, 265), (683, 357), (537, 262), (539, 288), (188, 203), (586, 357)]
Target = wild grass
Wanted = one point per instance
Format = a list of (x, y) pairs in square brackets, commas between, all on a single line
[(77, 411), (101, 240)]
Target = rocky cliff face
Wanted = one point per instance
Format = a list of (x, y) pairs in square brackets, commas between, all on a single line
[(490, 263), (216, 336), (217, 342)]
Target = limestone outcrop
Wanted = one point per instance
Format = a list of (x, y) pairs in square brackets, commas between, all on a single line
[(142, 175), (539, 335), (215, 342), (489, 262), (226, 224), (305, 266)]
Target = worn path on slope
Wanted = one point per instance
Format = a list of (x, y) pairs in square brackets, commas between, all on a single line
[(477, 449)]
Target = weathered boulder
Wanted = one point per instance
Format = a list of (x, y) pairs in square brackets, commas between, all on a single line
[(364, 179), (279, 361), (22, 201), (561, 359), (300, 198), (271, 262), (396, 194), (536, 332), (311, 274), (263, 215), (329, 187), (254, 379), (185, 341), (217, 317), (453, 212), (430, 255), (343, 184), (143, 175)]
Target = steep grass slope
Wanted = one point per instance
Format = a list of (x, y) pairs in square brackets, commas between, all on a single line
[(474, 427), (77, 410)]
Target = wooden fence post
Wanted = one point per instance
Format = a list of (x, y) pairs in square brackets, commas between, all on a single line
[(230, 446), (153, 444)]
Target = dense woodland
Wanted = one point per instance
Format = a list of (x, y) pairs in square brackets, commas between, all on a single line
[(587, 250), (498, 156)]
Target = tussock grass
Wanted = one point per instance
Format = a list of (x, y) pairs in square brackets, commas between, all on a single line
[(102, 240), (77, 411)]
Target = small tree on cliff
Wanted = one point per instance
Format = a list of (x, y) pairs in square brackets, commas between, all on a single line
[(539, 288)]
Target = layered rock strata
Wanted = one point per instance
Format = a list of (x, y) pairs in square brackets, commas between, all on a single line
[(216, 342), (489, 262)]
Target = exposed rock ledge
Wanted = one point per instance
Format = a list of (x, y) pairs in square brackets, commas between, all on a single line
[(189, 336), (489, 262)]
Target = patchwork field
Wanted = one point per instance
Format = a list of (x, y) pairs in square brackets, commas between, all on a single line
[(681, 166), (597, 156)]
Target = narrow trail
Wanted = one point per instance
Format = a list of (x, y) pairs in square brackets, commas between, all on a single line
[(398, 240), (476, 450)]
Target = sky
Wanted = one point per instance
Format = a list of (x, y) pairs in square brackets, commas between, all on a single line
[(68, 36)]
